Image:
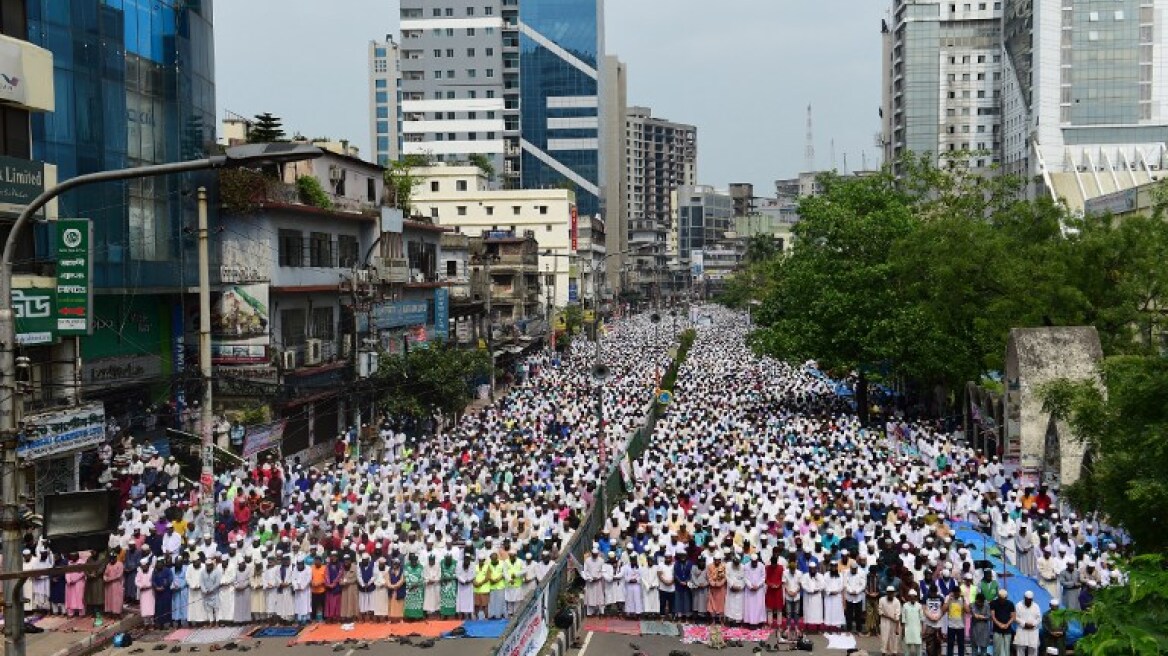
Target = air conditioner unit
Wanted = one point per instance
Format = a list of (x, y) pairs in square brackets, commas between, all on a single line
[(312, 352), (336, 174), (288, 360), (362, 276)]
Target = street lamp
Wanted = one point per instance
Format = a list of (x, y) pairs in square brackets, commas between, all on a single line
[(250, 155)]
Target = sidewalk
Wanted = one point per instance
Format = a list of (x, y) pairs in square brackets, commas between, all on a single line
[(75, 643)]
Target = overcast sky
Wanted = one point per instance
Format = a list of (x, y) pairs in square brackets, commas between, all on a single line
[(743, 71)]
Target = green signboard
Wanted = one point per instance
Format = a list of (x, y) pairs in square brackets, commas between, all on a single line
[(35, 321), (74, 273), (21, 180)]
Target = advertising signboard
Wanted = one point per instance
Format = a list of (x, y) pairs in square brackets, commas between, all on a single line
[(35, 323), (59, 431), (74, 273), (239, 325), (21, 180), (442, 314)]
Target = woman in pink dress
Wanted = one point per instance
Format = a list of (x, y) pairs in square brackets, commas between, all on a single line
[(114, 590), (75, 589), (143, 580)]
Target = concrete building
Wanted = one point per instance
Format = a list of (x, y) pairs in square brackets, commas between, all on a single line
[(385, 121), (744, 198), (943, 80), (459, 197), (507, 80), (1086, 95), (661, 156), (704, 216), (515, 291)]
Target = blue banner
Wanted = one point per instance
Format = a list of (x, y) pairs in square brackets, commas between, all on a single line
[(442, 314), (395, 315), (573, 295)]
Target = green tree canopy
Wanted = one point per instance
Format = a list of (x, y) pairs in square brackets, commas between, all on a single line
[(266, 128), (1126, 435), (433, 379)]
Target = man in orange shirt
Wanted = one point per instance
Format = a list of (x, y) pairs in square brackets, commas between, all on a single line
[(318, 588)]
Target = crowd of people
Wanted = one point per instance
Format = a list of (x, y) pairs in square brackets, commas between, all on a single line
[(459, 523), (763, 501)]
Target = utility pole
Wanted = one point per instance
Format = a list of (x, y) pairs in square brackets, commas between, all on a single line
[(207, 475), (490, 320)]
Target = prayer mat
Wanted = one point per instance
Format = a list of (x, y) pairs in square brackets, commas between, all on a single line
[(178, 635), (370, 631), (612, 625), (277, 632), (700, 634), (51, 622), (485, 628), (82, 625), (209, 635), (669, 629)]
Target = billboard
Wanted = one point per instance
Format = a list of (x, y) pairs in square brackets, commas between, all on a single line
[(442, 314), (60, 431), (240, 325), (74, 272), (33, 310)]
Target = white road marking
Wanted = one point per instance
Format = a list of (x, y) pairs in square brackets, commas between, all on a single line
[(584, 647)]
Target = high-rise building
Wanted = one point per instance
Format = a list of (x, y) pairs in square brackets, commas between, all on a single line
[(385, 122), (1086, 94), (135, 86), (661, 156), (943, 79), (516, 81)]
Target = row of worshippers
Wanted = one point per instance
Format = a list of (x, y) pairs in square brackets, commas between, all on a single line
[(195, 589), (756, 457), (519, 468), (951, 622)]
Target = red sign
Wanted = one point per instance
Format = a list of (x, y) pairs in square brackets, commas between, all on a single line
[(575, 229)]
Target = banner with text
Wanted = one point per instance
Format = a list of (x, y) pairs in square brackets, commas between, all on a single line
[(60, 431), (239, 325), (33, 309), (261, 438), (531, 631), (74, 273)]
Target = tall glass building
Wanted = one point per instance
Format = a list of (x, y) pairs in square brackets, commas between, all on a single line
[(134, 86), (561, 46)]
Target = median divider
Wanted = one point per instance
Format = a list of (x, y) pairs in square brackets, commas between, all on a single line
[(528, 628)]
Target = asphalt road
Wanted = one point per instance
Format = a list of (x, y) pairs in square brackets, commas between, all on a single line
[(281, 647), (612, 644)]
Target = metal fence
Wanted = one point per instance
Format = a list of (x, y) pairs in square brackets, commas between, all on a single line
[(562, 574)]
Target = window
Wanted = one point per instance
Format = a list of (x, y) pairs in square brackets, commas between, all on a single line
[(348, 248), (450, 11), (320, 250), (450, 31), (461, 209), (434, 213), (543, 209), (548, 228), (379, 52), (437, 12), (291, 248), (438, 53), (450, 95), (383, 127), (489, 31), (451, 268), (490, 52), (450, 74), (434, 186), (470, 11), (470, 31), (470, 72), (460, 185), (488, 11), (490, 73), (515, 209), (379, 84), (472, 94), (382, 112), (449, 116), (470, 52), (292, 327), (323, 326), (450, 52), (490, 210), (437, 75), (472, 115), (381, 97), (490, 92)]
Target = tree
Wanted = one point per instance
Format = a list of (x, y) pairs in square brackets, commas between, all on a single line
[(266, 128), (760, 248), (573, 318), (432, 379), (1129, 618), (484, 164), (400, 182), (1125, 431)]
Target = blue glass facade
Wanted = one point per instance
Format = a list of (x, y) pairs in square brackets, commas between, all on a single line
[(134, 86), (576, 27)]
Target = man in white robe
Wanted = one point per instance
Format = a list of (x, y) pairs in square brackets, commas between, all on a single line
[(302, 592), (593, 575), (813, 585), (432, 576)]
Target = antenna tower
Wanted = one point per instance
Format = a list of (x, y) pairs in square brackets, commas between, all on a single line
[(809, 153)]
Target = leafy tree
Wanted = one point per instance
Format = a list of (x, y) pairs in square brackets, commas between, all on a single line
[(431, 379), (484, 164), (573, 318), (266, 128), (1126, 435), (1129, 618), (401, 182), (760, 248)]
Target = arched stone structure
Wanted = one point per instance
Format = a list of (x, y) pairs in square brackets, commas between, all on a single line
[(1046, 448)]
